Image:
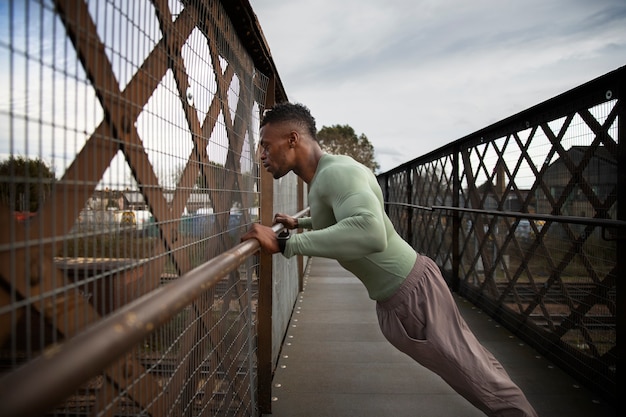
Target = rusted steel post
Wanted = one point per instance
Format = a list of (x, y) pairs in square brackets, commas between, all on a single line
[(408, 210), (456, 221), (300, 206), (620, 260), (264, 309)]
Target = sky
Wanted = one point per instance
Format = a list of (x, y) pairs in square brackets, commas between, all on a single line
[(414, 75)]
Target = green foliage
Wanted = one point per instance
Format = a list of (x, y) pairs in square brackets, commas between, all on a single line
[(343, 140), (24, 183)]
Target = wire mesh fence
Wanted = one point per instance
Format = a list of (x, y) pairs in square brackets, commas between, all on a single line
[(127, 159), (525, 215), (285, 290)]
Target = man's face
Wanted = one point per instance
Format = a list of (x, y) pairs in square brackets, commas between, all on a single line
[(275, 149)]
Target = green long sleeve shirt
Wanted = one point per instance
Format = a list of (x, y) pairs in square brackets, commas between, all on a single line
[(349, 224)]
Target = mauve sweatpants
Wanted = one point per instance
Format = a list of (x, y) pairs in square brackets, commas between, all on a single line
[(421, 319)]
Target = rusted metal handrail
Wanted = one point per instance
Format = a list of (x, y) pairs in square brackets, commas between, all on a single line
[(609, 223), (534, 216), (46, 380), (409, 205)]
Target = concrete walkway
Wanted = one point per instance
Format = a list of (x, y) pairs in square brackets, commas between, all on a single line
[(336, 363)]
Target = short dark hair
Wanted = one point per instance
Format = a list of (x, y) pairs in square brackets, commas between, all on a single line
[(291, 112)]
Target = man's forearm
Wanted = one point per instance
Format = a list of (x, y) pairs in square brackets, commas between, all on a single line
[(351, 238)]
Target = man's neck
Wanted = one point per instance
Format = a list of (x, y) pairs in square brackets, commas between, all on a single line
[(308, 166)]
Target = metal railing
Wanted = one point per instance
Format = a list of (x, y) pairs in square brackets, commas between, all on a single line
[(128, 172), (42, 383), (526, 219)]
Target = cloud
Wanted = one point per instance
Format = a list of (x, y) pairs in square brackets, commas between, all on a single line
[(415, 75)]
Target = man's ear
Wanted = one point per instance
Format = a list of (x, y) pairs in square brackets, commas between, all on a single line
[(294, 137)]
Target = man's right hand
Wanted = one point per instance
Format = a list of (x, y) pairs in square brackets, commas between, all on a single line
[(265, 235)]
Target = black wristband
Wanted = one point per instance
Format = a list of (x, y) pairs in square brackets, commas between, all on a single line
[(283, 237)]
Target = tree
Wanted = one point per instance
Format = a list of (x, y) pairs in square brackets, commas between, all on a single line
[(343, 140), (24, 183)]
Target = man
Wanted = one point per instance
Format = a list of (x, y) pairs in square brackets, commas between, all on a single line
[(415, 308)]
